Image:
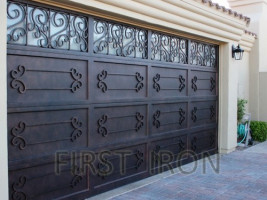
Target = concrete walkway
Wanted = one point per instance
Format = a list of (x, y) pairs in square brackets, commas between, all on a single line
[(242, 175)]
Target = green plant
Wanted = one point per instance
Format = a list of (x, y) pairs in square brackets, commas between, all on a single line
[(259, 130), (241, 109)]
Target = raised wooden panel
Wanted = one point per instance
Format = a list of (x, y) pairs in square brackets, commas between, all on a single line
[(42, 182), (168, 151), (168, 82), (168, 117), (203, 83), (118, 124), (203, 141), (112, 81), (42, 80), (203, 112), (112, 168), (35, 134)]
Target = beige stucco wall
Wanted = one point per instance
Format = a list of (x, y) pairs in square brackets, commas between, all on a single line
[(263, 96), (228, 87), (257, 10), (253, 10), (3, 106), (243, 69)]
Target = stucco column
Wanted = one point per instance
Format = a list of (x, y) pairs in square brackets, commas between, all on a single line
[(257, 11), (3, 106), (228, 78)]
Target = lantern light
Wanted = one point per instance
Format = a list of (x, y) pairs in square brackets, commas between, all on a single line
[(237, 52)]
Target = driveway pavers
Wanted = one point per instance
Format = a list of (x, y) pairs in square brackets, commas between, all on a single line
[(242, 175)]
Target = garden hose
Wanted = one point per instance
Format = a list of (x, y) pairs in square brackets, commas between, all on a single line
[(242, 132)]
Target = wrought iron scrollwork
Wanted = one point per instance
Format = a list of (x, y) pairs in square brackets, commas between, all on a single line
[(213, 58), (168, 49), (77, 132), (16, 15), (140, 158), (212, 112), (32, 25), (77, 84), (202, 54), (156, 121), (140, 83), (194, 83), (17, 132), (182, 83), (212, 84), (156, 85), (119, 40), (197, 53), (17, 187), (182, 116), (17, 82), (194, 114), (19, 141), (103, 168), (77, 177), (101, 84), (103, 130), (47, 28), (140, 121), (101, 126)]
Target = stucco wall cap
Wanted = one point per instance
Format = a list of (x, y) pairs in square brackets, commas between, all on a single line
[(226, 10)]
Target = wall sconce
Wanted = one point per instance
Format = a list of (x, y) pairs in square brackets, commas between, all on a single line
[(237, 52)]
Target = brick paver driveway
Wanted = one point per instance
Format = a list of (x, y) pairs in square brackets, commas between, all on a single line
[(242, 175)]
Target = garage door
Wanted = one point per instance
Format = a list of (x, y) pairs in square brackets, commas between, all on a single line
[(94, 104)]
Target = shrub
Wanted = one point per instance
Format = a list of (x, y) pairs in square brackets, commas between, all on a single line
[(259, 130), (241, 109)]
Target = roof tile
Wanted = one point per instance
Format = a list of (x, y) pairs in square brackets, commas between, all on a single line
[(230, 11)]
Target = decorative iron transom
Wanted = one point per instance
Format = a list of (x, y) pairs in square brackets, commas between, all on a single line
[(168, 48), (31, 25), (43, 27), (119, 40)]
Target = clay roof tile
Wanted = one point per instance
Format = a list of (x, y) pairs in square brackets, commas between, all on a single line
[(229, 11)]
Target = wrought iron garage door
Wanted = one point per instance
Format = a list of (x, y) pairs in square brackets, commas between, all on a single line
[(95, 104)]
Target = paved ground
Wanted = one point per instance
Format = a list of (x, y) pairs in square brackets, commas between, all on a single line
[(242, 175)]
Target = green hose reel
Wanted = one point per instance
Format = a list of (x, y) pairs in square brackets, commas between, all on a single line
[(241, 130)]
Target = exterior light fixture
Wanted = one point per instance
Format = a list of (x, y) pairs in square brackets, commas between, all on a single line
[(237, 52)]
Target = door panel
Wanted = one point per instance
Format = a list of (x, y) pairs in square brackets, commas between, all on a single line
[(35, 134), (168, 117), (118, 124), (113, 81), (203, 83), (168, 82), (41, 80), (41, 182)]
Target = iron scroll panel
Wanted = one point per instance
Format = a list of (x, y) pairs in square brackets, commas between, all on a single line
[(43, 27), (30, 24)]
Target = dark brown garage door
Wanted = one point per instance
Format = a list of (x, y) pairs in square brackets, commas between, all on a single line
[(95, 104)]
